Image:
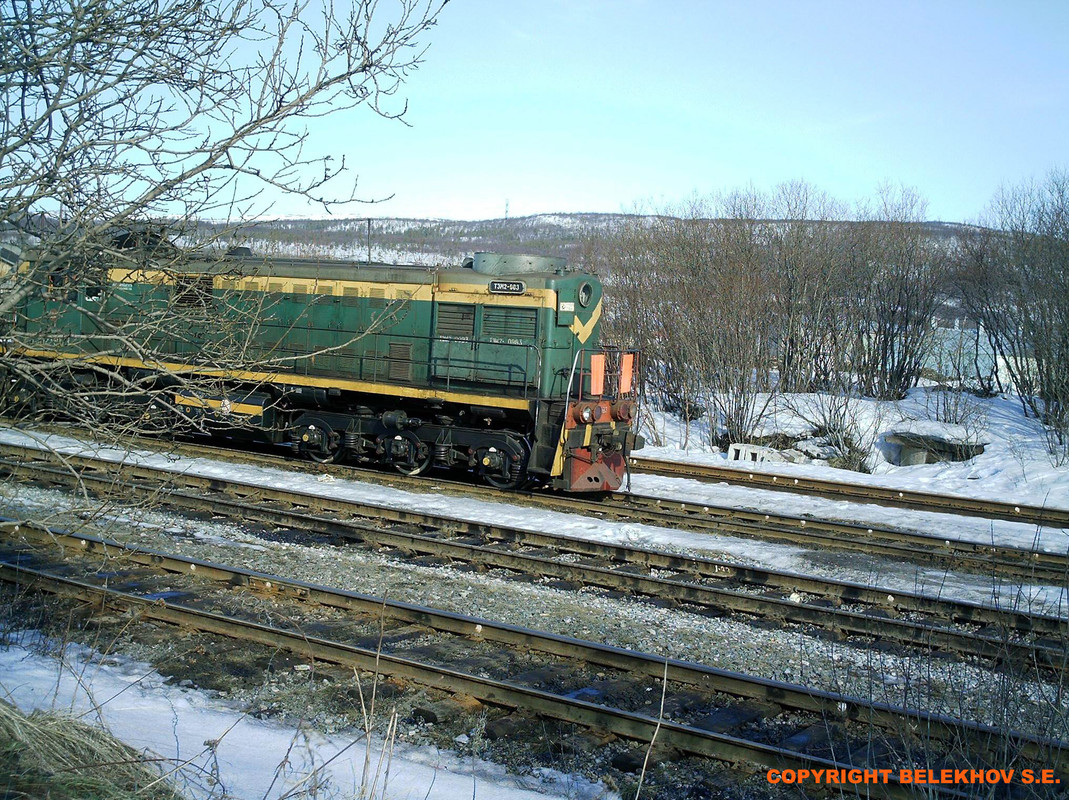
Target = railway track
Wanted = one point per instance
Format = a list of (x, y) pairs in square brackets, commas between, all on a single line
[(706, 712), (859, 493), (706, 585), (899, 545)]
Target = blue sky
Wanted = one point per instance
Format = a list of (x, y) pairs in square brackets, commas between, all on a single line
[(566, 105)]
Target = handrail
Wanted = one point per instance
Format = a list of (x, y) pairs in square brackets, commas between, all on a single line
[(612, 376), (493, 371)]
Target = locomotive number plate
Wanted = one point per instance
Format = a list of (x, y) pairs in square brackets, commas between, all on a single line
[(507, 287)]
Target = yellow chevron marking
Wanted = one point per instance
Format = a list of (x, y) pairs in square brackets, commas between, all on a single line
[(582, 330)]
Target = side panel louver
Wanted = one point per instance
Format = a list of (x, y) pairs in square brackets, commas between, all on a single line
[(509, 323)]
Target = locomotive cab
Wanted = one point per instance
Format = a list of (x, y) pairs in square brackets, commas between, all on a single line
[(586, 397)]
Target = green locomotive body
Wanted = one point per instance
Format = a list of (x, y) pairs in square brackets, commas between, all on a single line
[(494, 366)]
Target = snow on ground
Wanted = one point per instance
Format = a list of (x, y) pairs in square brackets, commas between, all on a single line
[(357, 253), (246, 754), (1015, 464), (940, 526)]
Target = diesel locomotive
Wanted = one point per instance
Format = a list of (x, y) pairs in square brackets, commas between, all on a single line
[(493, 367)]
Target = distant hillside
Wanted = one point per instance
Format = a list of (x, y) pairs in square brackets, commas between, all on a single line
[(438, 242), (430, 242), (423, 241)]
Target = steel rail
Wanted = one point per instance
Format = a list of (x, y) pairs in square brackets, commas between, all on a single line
[(998, 647), (861, 493), (698, 566), (828, 705), (898, 544)]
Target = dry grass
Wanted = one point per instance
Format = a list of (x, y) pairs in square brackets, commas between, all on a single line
[(54, 756)]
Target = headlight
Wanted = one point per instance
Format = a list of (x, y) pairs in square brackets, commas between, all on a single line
[(586, 292), (586, 413)]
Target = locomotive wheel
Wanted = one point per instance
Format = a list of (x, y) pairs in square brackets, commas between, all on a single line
[(327, 450), (418, 465), (321, 457), (517, 475), (16, 399), (505, 484), (418, 469)]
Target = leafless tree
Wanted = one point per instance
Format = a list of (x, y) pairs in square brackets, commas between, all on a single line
[(1014, 279), (739, 299), (128, 123), (741, 328), (118, 112), (690, 286), (807, 247), (640, 264), (899, 277)]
